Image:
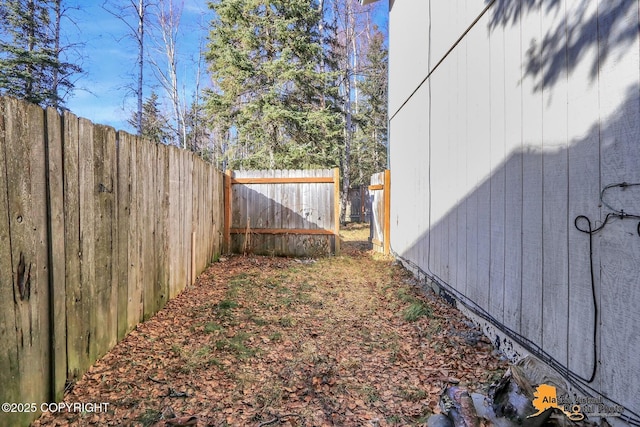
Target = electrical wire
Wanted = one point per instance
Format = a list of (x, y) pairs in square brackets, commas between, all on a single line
[(579, 382), (575, 379)]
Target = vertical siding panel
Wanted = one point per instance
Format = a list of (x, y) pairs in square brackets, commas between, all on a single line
[(464, 222), (531, 319), (555, 192), (619, 244), (480, 139), (498, 175), (513, 178), (584, 184), (436, 189), (477, 161)]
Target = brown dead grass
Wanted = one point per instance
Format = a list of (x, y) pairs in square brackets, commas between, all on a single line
[(259, 341)]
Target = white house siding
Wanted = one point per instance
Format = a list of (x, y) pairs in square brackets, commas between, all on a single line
[(512, 136)]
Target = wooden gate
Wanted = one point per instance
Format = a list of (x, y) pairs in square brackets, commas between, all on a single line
[(380, 190), (282, 212)]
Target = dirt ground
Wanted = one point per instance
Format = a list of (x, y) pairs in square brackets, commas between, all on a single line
[(346, 341)]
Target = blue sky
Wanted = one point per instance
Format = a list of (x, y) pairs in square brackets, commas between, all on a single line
[(108, 56)]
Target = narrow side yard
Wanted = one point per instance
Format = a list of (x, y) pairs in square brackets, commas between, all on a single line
[(257, 341)]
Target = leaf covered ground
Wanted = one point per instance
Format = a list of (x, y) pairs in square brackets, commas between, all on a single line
[(257, 341)]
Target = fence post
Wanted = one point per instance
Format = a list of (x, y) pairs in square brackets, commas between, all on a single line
[(227, 210), (387, 210), (336, 198)]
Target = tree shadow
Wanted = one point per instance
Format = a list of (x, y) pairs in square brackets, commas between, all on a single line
[(562, 48)]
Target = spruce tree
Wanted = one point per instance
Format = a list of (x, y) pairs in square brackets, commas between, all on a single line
[(153, 122), (31, 67), (264, 58), (372, 117)]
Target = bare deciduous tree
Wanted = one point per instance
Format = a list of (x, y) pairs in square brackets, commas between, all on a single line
[(125, 10)]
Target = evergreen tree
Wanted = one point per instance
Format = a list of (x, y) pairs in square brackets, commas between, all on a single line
[(154, 123), (269, 94), (372, 116), (31, 67)]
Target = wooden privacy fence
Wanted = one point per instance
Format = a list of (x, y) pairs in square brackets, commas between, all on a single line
[(98, 229), (359, 204), (380, 191), (282, 212)]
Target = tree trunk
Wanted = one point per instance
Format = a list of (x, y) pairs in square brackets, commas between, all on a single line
[(140, 12)]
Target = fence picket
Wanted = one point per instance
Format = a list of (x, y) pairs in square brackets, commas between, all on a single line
[(282, 212), (97, 233)]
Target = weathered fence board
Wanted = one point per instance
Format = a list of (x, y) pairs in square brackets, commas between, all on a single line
[(57, 252), (282, 212), (9, 351), (27, 340), (100, 229), (123, 155), (87, 204), (74, 301), (380, 191), (162, 226), (105, 329)]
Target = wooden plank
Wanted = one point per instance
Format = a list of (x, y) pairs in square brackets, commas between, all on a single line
[(218, 212), (76, 356), (284, 180), (195, 219), (174, 221), (148, 226), (336, 207), (105, 329), (87, 188), (188, 223), (135, 304), (9, 353), (27, 215), (161, 244), (56, 240), (377, 212), (278, 245), (296, 194), (387, 211), (303, 231), (227, 210), (124, 213)]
